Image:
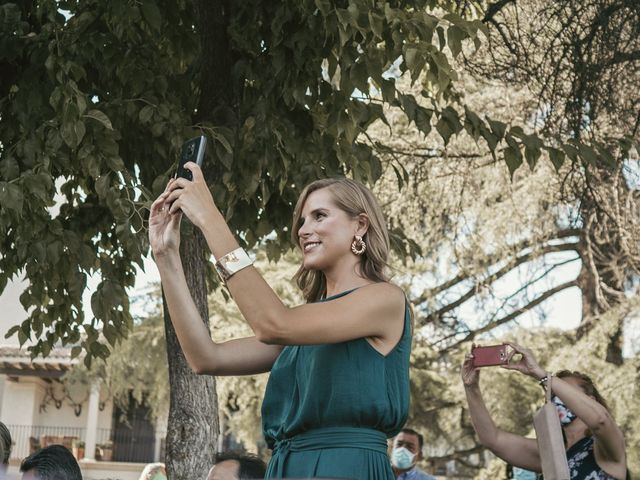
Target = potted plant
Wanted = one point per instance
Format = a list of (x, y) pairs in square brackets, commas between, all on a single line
[(77, 448), (106, 450)]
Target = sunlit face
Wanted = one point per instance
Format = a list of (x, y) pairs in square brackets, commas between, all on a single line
[(225, 470), (325, 231)]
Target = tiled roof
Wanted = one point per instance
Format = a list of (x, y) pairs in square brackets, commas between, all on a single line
[(17, 362)]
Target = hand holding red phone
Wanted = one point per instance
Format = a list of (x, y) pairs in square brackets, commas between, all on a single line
[(527, 364)]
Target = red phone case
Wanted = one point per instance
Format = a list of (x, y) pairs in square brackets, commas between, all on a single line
[(490, 355)]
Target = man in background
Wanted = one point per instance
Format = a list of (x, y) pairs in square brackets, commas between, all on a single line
[(406, 453), (54, 462), (5, 450), (237, 466)]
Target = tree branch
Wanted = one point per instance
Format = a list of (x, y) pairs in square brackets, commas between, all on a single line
[(494, 8), (497, 275), (507, 318), (489, 261)]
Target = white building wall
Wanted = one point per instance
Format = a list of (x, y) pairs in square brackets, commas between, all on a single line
[(65, 416), (23, 404), (20, 401)]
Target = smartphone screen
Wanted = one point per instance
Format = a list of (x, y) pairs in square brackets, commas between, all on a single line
[(192, 151)]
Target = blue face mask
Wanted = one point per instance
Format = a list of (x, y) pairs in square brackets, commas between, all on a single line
[(402, 458), (566, 415)]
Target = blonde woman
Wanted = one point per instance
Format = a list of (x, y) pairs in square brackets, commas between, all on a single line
[(339, 382)]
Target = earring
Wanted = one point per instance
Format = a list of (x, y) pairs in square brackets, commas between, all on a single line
[(358, 246)]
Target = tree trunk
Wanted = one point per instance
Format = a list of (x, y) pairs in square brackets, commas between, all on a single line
[(192, 429), (602, 277), (193, 415)]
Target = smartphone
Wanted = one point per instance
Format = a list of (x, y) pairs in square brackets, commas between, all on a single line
[(490, 355), (192, 151)]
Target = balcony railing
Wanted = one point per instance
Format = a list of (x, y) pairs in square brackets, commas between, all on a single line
[(120, 447)]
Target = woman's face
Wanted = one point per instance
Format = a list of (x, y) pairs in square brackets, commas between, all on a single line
[(325, 232)]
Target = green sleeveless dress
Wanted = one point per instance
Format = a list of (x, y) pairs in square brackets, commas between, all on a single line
[(329, 409)]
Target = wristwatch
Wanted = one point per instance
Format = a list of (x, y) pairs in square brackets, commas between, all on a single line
[(232, 262)]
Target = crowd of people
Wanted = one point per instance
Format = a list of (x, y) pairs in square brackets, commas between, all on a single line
[(339, 364)]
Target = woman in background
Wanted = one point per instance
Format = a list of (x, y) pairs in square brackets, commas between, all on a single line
[(594, 443)]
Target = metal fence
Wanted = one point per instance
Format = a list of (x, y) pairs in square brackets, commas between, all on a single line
[(120, 447)]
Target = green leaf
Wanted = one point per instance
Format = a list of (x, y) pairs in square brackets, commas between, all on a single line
[(40, 185), (376, 22), (557, 157), (513, 159), (571, 151), (151, 14), (102, 186), (9, 168), (100, 117), (12, 331), (532, 154), (498, 128), (472, 124), (455, 35), (344, 17), (589, 155), (423, 119), (146, 113), (444, 129), (324, 6), (11, 197), (111, 334)]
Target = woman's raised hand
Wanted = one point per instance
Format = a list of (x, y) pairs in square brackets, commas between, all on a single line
[(527, 364), (164, 226), (192, 197), (470, 374)]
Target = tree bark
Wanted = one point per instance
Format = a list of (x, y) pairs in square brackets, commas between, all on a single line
[(193, 426), (602, 277), (192, 429)]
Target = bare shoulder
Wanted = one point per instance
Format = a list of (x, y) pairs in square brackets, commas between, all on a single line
[(382, 295), (385, 289)]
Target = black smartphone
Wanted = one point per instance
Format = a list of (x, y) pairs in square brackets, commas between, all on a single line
[(192, 151)]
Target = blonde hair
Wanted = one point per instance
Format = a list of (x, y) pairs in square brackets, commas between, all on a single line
[(354, 199)]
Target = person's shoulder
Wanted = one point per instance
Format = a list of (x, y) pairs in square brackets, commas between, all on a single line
[(382, 290), (423, 475), (383, 297)]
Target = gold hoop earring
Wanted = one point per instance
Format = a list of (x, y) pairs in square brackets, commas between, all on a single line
[(358, 246)]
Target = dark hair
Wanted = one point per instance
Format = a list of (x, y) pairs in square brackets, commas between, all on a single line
[(586, 384), (251, 466), (54, 462), (411, 431), (5, 443)]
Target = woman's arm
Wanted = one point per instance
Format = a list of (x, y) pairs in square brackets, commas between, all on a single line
[(609, 440), (514, 449), (376, 311), (244, 356), (236, 357)]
